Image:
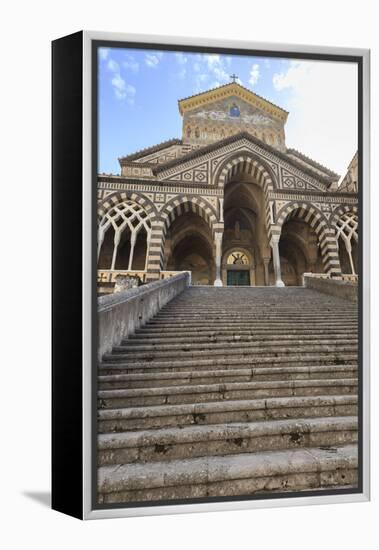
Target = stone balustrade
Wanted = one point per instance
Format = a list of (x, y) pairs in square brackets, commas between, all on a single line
[(120, 314), (336, 287)]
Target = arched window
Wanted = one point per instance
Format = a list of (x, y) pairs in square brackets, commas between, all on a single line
[(237, 257), (347, 231), (129, 223)]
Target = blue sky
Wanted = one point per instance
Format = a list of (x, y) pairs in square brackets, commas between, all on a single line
[(139, 91)]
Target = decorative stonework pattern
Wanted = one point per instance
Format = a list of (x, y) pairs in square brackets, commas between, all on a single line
[(286, 176)]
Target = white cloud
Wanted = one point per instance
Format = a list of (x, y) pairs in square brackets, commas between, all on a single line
[(182, 61), (254, 74), (131, 64), (216, 67), (152, 59), (323, 110), (122, 90), (113, 66), (210, 71), (103, 53)]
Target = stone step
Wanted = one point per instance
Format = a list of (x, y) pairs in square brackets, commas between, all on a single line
[(224, 439), (232, 336), (258, 329), (171, 395), (121, 353), (130, 347), (180, 319), (258, 311), (219, 376), (241, 474), (217, 412), (269, 327), (304, 359), (176, 305)]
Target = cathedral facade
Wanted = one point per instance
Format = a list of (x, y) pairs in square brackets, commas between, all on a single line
[(228, 202)]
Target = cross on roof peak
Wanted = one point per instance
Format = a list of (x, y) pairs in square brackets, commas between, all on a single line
[(234, 77)]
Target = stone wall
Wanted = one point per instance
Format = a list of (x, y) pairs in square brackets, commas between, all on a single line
[(342, 289), (121, 314)]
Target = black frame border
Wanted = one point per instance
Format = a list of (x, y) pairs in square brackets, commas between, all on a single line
[(67, 292)]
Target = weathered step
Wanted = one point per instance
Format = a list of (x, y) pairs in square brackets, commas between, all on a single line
[(242, 351), (195, 306), (128, 347), (152, 379), (224, 439), (267, 321), (304, 359), (260, 313), (232, 475), (165, 416), (222, 325), (232, 336), (229, 391)]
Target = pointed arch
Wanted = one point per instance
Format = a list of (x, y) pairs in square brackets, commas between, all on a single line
[(121, 196), (343, 209), (248, 163), (325, 234), (124, 218), (251, 164), (184, 204)]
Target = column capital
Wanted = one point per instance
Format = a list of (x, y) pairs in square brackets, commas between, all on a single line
[(218, 237), (274, 239)]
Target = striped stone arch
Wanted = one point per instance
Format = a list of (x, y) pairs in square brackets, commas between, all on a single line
[(246, 163), (304, 211), (172, 210), (183, 204), (115, 198), (325, 233)]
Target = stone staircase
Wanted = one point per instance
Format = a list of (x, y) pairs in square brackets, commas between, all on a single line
[(231, 391)]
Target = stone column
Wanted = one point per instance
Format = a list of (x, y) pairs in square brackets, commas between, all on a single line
[(147, 249), (218, 246), (115, 246), (133, 239), (276, 259), (348, 249), (266, 262), (154, 252), (100, 240)]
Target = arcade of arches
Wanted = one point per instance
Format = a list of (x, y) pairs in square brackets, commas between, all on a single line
[(245, 256)]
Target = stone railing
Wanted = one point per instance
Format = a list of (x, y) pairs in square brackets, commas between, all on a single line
[(345, 277), (335, 287), (122, 313), (168, 274)]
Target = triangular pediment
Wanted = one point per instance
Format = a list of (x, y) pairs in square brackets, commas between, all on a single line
[(202, 166), (232, 92)]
